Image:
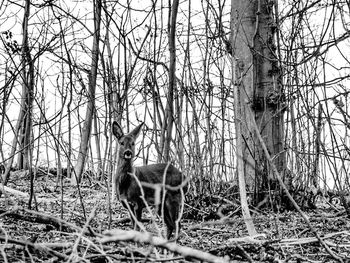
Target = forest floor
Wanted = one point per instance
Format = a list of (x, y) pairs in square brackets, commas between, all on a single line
[(58, 230)]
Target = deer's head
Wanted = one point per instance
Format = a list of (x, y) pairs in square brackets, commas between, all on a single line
[(126, 141)]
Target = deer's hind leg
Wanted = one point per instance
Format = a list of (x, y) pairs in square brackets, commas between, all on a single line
[(172, 212)]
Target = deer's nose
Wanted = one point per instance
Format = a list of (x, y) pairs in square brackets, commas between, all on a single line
[(127, 154)]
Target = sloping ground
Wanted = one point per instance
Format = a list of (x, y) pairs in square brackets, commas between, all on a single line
[(65, 233)]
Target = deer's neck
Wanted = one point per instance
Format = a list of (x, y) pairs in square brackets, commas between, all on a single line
[(124, 171)]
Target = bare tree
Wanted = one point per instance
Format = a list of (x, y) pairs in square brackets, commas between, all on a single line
[(167, 65), (23, 131), (90, 109), (259, 90), (169, 110)]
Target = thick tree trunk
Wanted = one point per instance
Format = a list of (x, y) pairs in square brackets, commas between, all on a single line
[(86, 132), (259, 94)]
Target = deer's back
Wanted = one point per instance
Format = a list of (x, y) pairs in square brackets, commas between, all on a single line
[(154, 173)]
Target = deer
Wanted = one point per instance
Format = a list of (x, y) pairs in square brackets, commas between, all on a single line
[(137, 186)]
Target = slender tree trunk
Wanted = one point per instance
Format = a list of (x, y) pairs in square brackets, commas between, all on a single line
[(315, 173), (3, 101), (23, 132), (259, 91), (86, 132), (172, 83), (241, 157), (98, 148), (27, 95)]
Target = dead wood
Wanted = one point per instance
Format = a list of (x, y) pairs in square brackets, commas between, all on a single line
[(308, 240), (33, 246), (117, 235), (41, 218)]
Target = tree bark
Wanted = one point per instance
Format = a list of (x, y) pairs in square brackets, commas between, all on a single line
[(257, 78), (86, 132)]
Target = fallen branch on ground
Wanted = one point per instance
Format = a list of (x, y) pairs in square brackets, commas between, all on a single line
[(187, 252), (41, 218), (38, 247)]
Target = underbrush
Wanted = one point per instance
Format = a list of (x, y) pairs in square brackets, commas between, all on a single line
[(80, 225)]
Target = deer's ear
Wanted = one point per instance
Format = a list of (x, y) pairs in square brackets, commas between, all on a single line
[(135, 132), (117, 130)]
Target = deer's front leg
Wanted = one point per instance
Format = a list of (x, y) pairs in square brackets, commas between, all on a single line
[(135, 213)]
